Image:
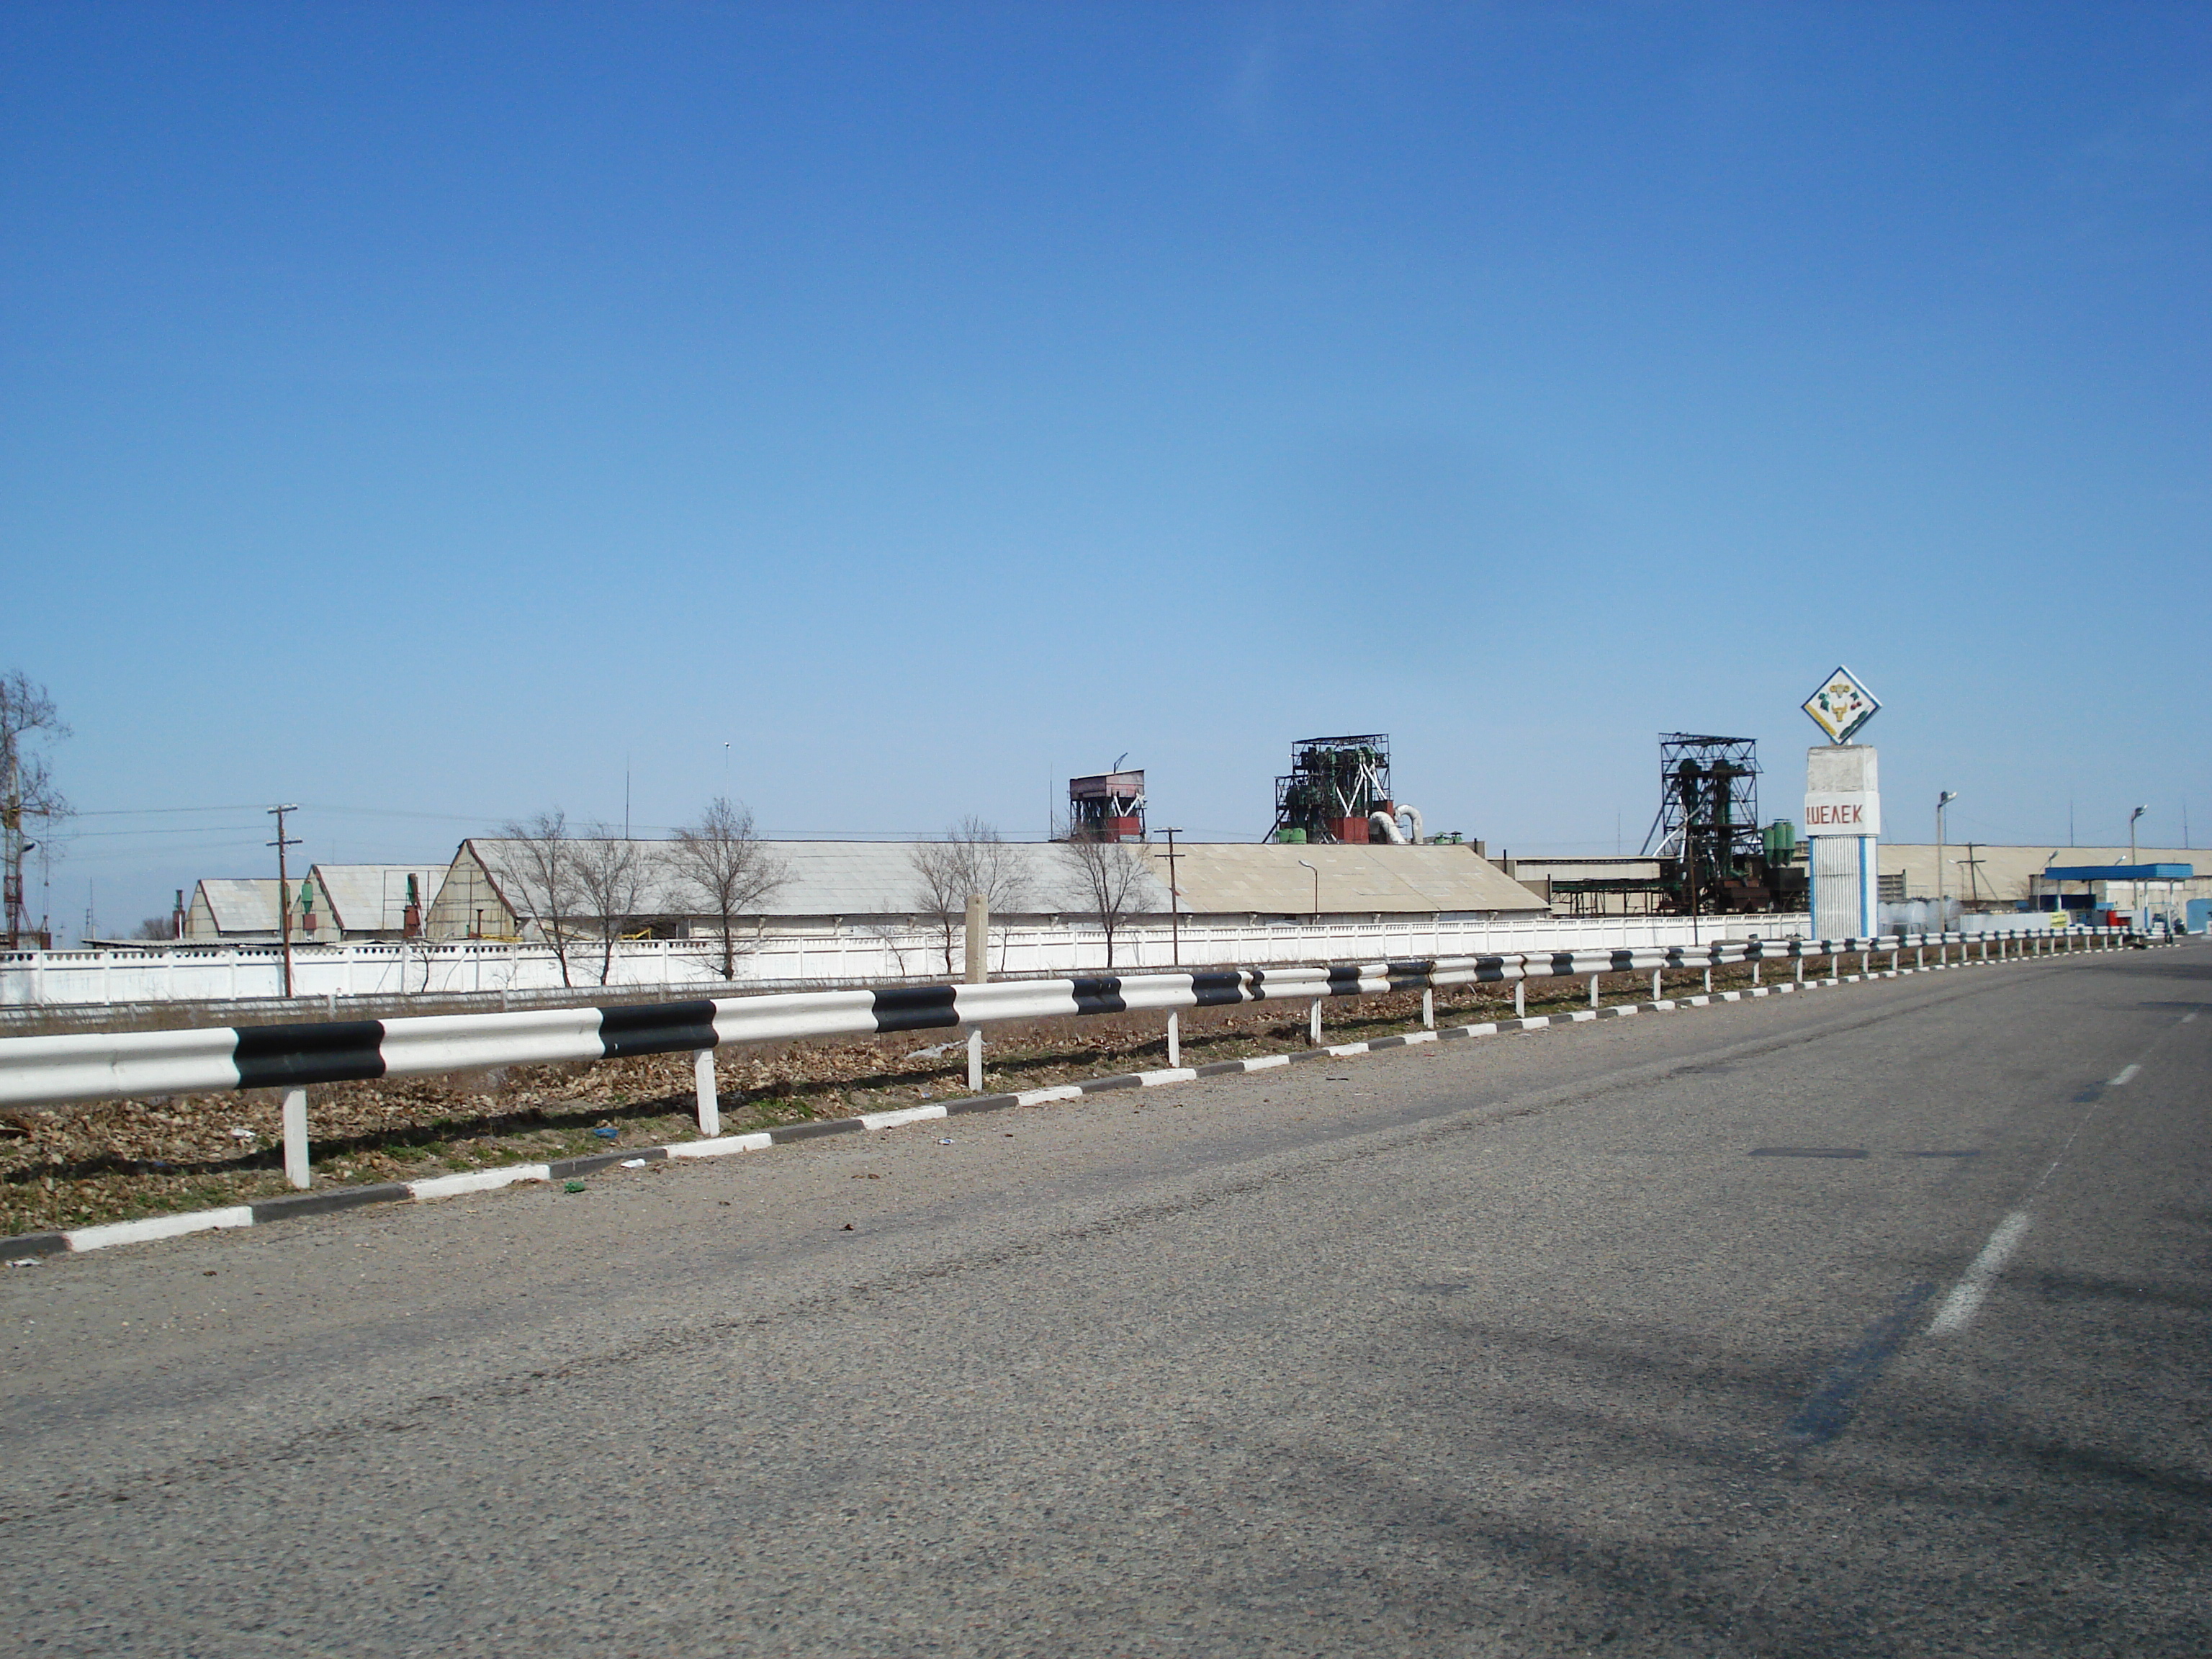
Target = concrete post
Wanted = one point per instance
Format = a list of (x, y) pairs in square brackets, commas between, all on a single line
[(1654, 984), (1593, 990), (1313, 1022), (979, 973), (295, 1139), (1709, 979), (1429, 1009), (710, 1105), (1756, 964), (1175, 1038), (1520, 998), (979, 940)]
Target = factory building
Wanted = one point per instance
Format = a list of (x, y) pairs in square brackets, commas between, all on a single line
[(231, 911), (493, 890), (331, 904), (1986, 877)]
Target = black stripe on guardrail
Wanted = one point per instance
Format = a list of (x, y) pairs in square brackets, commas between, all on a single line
[(1623, 961), (1409, 975), (1343, 980), (656, 1028), (916, 1007), (1216, 990), (1098, 996), (285, 1056), (1488, 970)]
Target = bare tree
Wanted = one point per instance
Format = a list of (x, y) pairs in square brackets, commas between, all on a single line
[(156, 927), (1105, 879), (971, 857), (27, 790), (545, 861), (611, 879), (728, 868)]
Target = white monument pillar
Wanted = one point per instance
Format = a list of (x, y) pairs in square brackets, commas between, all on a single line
[(1843, 820), (1843, 812)]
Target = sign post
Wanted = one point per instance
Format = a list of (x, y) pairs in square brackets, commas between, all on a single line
[(1843, 812)]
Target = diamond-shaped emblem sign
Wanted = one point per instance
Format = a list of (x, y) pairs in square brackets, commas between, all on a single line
[(1841, 706)]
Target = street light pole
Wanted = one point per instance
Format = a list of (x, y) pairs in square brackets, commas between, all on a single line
[(2134, 888), (1175, 900), (1316, 905), (1942, 800)]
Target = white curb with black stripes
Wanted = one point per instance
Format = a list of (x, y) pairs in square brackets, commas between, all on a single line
[(29, 1248)]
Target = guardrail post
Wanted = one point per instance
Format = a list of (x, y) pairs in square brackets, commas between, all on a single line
[(1520, 998), (710, 1105), (1428, 1009), (1798, 961), (1709, 979), (1313, 1022), (975, 1060), (295, 1139), (1175, 1038), (1756, 963), (1593, 990), (1654, 984)]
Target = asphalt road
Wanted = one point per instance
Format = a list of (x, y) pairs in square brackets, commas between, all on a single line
[(1869, 1322)]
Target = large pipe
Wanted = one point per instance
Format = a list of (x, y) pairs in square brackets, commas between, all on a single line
[(1413, 813), (1386, 827)]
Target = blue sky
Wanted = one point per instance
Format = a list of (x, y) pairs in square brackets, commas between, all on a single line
[(426, 413)]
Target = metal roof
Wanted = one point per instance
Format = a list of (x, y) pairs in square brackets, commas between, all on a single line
[(241, 904), (370, 898), (2119, 872), (877, 877), (1267, 878)]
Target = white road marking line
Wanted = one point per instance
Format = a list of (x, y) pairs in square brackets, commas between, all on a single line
[(1964, 1301), (2127, 1072)]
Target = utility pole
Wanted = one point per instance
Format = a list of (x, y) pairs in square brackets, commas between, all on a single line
[(1316, 876), (1174, 899), (284, 889)]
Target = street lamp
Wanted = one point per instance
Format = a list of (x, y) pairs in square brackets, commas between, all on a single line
[(1174, 899), (1941, 801), (1316, 876), (2134, 888)]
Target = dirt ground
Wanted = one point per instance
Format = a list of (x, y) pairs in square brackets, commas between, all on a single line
[(75, 1165)]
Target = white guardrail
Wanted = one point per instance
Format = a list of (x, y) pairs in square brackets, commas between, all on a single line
[(188, 972), (37, 1071)]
